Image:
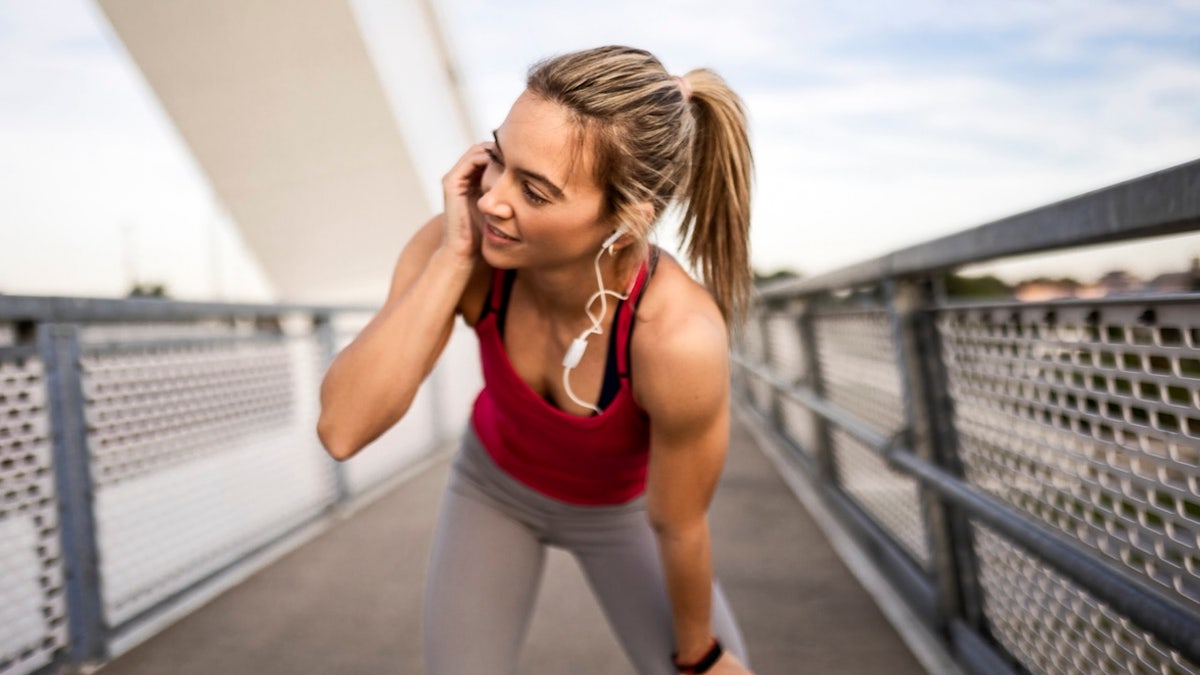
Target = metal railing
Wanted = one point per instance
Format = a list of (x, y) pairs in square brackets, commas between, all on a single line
[(1026, 474), (152, 451)]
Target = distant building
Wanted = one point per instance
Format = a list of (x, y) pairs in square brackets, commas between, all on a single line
[(1118, 282), (1178, 282)]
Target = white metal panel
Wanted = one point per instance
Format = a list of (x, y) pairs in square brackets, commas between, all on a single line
[(32, 605), (201, 454)]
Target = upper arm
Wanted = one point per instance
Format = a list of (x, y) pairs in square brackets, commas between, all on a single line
[(682, 381), (416, 256), (412, 262)]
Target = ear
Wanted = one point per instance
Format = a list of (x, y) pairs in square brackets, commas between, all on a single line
[(613, 238), (627, 234)]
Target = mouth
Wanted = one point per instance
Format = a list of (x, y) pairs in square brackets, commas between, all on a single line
[(498, 233)]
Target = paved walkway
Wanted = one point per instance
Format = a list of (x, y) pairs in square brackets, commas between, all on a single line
[(348, 602)]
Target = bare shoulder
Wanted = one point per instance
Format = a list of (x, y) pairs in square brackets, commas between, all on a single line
[(680, 350)]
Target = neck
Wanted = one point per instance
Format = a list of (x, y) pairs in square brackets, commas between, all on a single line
[(560, 293)]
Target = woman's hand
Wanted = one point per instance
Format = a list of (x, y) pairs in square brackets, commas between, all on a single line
[(461, 192)]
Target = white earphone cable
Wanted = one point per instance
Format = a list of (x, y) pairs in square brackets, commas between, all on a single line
[(579, 345)]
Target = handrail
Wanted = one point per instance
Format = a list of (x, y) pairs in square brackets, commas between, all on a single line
[(1176, 626), (107, 401), (55, 308)]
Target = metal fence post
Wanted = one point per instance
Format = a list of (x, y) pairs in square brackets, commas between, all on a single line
[(327, 346), (826, 468), (774, 407), (742, 346), (929, 410), (58, 347)]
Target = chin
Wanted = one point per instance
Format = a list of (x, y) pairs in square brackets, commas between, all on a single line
[(497, 259)]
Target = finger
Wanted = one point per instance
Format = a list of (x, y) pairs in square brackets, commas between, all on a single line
[(472, 157), (463, 178)]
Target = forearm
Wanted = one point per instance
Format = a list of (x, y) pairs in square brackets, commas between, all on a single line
[(372, 382), (687, 563)]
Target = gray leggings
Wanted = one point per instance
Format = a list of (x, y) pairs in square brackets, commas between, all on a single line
[(487, 560)]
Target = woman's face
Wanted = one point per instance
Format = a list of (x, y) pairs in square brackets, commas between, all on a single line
[(540, 204)]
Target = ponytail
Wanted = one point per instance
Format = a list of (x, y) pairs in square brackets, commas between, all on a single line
[(715, 231)]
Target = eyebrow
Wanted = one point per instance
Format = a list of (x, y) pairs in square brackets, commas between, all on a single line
[(532, 175)]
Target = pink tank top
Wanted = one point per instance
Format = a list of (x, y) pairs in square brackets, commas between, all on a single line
[(595, 460)]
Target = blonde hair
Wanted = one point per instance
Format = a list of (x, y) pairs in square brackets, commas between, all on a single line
[(656, 142)]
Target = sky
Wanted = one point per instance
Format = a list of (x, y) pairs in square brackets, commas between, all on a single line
[(97, 190), (875, 125)]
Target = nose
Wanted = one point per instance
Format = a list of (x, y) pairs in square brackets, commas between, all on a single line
[(491, 203)]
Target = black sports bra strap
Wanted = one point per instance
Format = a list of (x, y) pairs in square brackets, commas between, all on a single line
[(499, 291)]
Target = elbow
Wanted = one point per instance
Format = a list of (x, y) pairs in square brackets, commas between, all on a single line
[(675, 529), (664, 531), (659, 525), (335, 443), (343, 435), (355, 411)]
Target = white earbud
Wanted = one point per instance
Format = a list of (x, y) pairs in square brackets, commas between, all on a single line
[(612, 240)]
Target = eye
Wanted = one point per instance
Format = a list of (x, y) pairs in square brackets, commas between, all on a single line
[(533, 197), (493, 157)]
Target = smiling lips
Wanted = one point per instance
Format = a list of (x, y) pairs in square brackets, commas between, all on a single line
[(492, 229)]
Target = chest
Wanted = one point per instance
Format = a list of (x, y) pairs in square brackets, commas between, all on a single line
[(535, 348)]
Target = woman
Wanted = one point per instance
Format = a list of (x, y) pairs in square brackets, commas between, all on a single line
[(610, 451)]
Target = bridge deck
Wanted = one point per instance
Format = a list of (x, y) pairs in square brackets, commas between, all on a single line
[(349, 600)]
